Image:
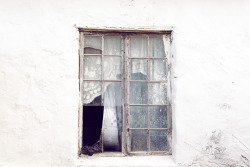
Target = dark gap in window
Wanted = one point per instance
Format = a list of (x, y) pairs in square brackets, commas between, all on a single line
[(92, 126)]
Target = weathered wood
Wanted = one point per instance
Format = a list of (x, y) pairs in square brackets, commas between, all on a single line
[(126, 94), (125, 44), (131, 31), (148, 112), (148, 128), (103, 80), (148, 104), (80, 106), (167, 45)]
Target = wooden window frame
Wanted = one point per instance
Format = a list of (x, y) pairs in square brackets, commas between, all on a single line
[(126, 80)]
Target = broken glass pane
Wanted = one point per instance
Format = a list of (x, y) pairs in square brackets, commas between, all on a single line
[(92, 93), (158, 140), (139, 69), (92, 67), (138, 140), (92, 45), (156, 47), (139, 47), (158, 70), (158, 93), (138, 92), (158, 116), (112, 67), (138, 116), (112, 45)]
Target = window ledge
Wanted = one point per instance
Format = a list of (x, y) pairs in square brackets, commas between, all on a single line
[(129, 161)]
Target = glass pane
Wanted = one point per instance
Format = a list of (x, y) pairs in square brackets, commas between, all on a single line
[(158, 70), (112, 45), (138, 93), (158, 93), (92, 44), (112, 67), (139, 69), (157, 47), (138, 140), (92, 93), (158, 140), (138, 116), (158, 117), (139, 47), (92, 67), (112, 118)]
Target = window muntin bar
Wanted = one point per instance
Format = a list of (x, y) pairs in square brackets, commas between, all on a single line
[(147, 93), (149, 82)]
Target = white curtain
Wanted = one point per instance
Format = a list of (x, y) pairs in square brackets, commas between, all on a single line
[(111, 126), (112, 70)]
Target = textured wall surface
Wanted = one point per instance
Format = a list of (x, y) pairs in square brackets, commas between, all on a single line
[(39, 77)]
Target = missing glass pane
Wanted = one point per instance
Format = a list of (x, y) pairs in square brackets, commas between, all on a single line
[(112, 120), (92, 125)]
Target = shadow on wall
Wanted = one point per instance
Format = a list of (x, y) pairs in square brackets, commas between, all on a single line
[(214, 155)]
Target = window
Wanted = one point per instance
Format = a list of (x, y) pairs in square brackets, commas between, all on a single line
[(125, 92)]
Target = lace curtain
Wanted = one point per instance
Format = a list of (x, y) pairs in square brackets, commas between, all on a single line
[(140, 69)]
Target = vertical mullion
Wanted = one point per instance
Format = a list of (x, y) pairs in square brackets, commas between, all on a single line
[(127, 92), (148, 61), (167, 46), (102, 69), (123, 97), (102, 78), (80, 118)]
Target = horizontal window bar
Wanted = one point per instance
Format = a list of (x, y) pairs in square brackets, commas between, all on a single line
[(126, 31), (163, 58), (113, 55), (139, 81), (122, 80), (148, 81), (93, 34), (92, 54), (103, 80), (147, 105), (148, 128), (107, 154), (149, 153), (100, 55)]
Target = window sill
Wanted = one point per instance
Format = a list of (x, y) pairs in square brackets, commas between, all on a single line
[(122, 161)]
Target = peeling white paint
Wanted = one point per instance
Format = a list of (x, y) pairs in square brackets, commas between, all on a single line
[(39, 91)]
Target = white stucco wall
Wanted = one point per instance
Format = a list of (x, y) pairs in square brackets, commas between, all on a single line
[(39, 77)]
